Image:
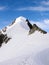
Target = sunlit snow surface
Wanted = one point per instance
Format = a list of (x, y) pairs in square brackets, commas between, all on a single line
[(24, 49)]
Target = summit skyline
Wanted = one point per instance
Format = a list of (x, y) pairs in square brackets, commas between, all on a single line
[(37, 11)]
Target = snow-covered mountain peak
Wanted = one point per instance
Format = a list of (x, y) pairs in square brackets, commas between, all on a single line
[(20, 19), (19, 48), (19, 22), (23, 23)]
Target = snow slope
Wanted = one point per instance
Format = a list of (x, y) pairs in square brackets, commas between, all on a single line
[(24, 49)]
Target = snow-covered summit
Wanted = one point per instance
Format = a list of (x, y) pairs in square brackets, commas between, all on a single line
[(20, 25), (21, 48), (23, 23), (21, 18), (18, 22)]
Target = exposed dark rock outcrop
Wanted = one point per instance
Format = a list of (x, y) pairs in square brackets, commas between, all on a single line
[(34, 28), (12, 23), (3, 38), (29, 24), (4, 29)]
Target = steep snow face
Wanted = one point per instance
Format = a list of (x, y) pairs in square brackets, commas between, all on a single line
[(16, 32), (20, 21), (20, 26), (24, 49)]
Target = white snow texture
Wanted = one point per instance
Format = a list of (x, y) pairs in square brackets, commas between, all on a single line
[(24, 49)]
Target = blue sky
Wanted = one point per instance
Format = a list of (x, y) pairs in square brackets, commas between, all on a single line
[(37, 11)]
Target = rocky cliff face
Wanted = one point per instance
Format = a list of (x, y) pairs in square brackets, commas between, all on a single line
[(34, 28), (3, 38)]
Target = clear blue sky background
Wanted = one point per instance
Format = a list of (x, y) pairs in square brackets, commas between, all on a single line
[(36, 11)]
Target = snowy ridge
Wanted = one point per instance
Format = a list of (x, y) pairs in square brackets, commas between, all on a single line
[(24, 49), (21, 21)]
